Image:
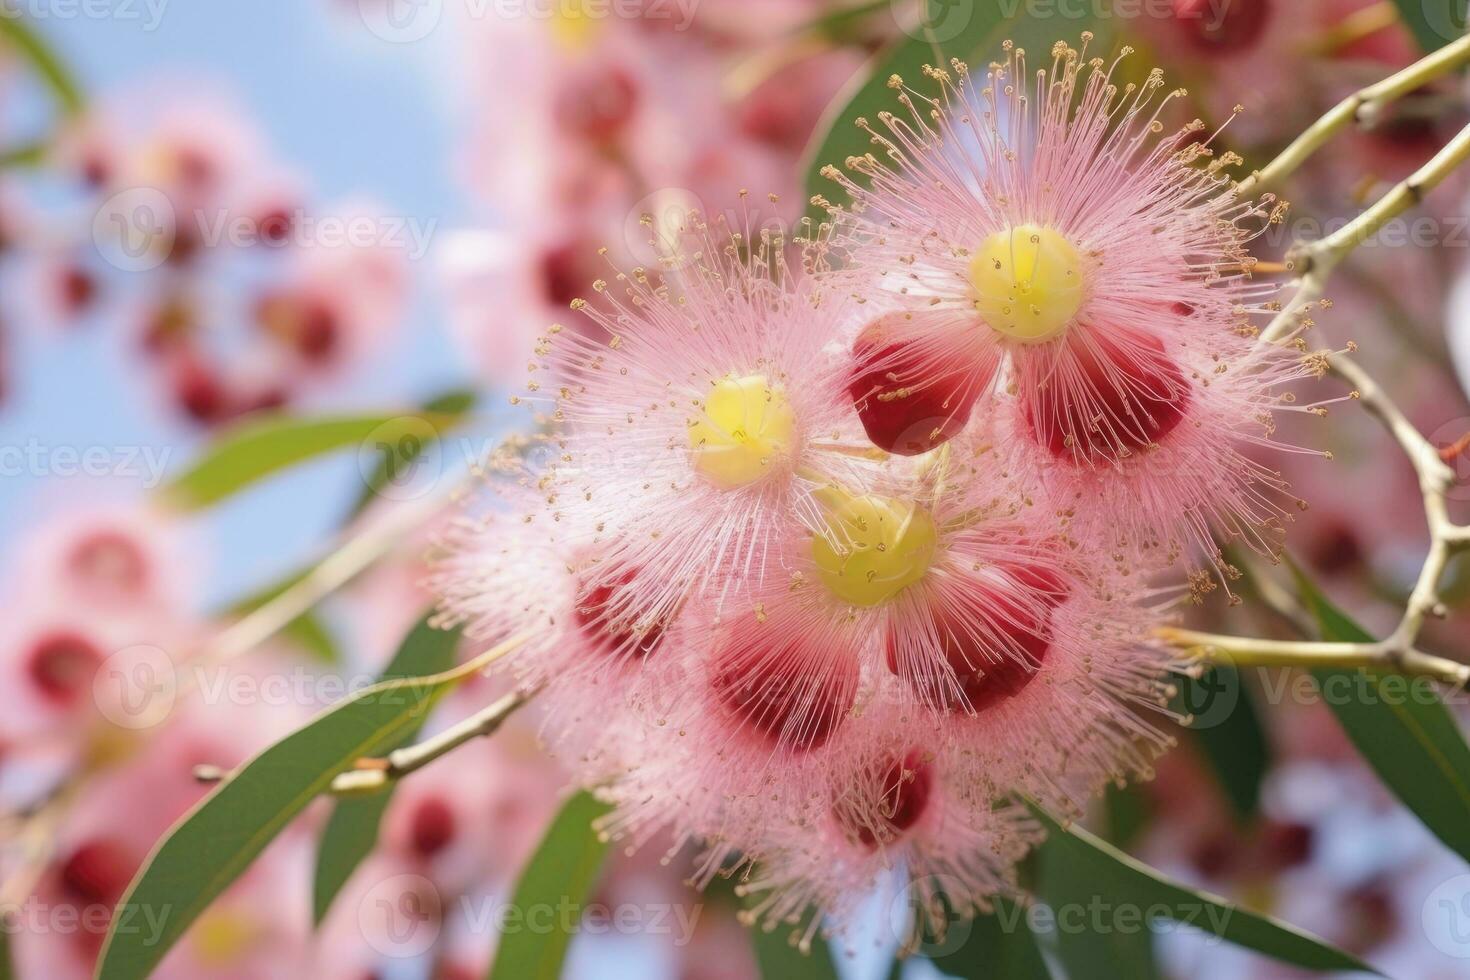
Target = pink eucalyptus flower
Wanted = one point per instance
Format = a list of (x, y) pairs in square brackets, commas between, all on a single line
[(1043, 258)]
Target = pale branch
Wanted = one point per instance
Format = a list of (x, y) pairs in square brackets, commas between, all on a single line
[(1363, 107), (1384, 655), (374, 775), (1316, 262)]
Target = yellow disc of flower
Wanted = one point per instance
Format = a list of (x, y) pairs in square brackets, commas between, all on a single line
[(873, 548), (746, 428), (1027, 282)]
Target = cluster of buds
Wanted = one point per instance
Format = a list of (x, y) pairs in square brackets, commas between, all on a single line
[(844, 551)]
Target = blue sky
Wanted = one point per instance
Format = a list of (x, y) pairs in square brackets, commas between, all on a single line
[(359, 117)]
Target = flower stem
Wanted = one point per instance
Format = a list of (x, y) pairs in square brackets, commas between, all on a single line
[(1363, 107), (1249, 652)]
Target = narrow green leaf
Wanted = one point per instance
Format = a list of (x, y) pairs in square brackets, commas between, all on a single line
[(778, 959), (999, 945), (1227, 731), (218, 839), (20, 36), (951, 28), (351, 832), (259, 449), (560, 874), (1089, 883), (452, 405), (1434, 23), (1401, 727), (29, 154), (1128, 813), (7, 957)]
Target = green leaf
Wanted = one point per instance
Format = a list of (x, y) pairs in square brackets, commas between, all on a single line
[(259, 449), (454, 404), (1434, 23), (953, 29), (1401, 727), (999, 945), (30, 154), (218, 839), (351, 832), (1228, 733), (1088, 882), (560, 874), (33, 48), (7, 958), (1127, 811), (778, 959)]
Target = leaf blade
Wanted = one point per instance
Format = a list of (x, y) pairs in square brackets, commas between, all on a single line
[(211, 845), (257, 450), (1131, 881), (351, 832), (564, 867), (35, 50), (1434, 23), (1414, 745), (1000, 945)]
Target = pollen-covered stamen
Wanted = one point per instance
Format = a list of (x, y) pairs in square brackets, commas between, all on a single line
[(1028, 283), (790, 689), (989, 648), (1107, 396), (886, 801), (605, 617), (907, 403), (871, 548), (1229, 28), (745, 430)]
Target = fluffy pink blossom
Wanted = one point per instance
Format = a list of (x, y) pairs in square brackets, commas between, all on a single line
[(739, 614), (1037, 256)]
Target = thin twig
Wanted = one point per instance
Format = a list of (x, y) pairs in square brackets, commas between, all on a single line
[(1364, 107), (373, 775), (1317, 261), (1383, 655)]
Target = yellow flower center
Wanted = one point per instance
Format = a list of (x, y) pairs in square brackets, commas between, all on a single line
[(222, 937), (873, 548), (747, 427), (1027, 282)]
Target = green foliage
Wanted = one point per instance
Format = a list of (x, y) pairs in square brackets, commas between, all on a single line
[(1228, 733), (559, 877), (351, 832), (1104, 900), (215, 842), (997, 945), (17, 34), (260, 449), (951, 28), (1434, 23), (1401, 727)]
